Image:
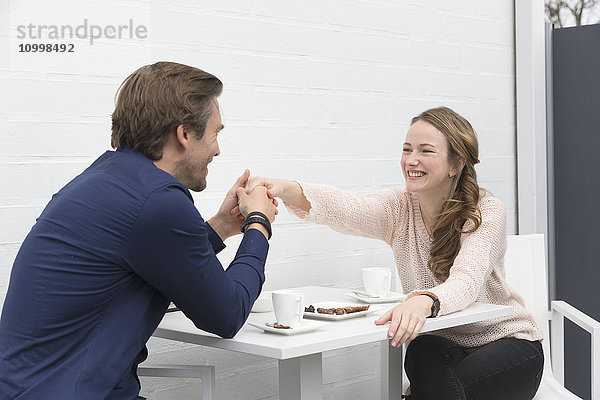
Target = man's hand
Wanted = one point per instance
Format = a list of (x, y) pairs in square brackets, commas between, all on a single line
[(251, 183), (406, 319), (257, 200), (228, 220)]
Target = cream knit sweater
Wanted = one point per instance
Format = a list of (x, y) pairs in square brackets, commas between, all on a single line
[(476, 275)]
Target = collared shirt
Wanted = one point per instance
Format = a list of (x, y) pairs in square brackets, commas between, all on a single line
[(95, 275)]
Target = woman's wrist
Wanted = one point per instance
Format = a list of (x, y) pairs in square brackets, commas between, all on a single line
[(434, 302), (290, 191), (295, 195)]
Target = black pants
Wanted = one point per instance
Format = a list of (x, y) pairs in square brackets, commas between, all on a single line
[(507, 369)]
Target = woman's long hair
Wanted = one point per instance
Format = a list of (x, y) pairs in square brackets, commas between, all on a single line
[(462, 204)]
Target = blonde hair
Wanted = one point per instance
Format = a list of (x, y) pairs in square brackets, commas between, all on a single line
[(462, 204)]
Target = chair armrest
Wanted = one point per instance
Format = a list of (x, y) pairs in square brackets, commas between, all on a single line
[(574, 315), (560, 310)]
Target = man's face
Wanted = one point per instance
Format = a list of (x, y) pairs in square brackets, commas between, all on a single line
[(193, 169)]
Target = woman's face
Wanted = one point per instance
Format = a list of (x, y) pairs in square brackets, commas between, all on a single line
[(425, 164)]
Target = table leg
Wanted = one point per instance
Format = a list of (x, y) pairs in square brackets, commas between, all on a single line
[(391, 371), (301, 378)]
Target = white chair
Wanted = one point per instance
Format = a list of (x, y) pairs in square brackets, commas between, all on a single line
[(204, 372), (525, 265)]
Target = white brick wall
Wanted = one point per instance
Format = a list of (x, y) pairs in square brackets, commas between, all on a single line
[(310, 86)]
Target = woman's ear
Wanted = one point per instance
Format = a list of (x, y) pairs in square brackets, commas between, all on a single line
[(458, 167)]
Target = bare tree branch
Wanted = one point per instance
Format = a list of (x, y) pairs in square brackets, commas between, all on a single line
[(576, 8), (553, 8)]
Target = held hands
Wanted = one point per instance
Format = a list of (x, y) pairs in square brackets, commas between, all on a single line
[(406, 319), (256, 199), (287, 190), (275, 187), (228, 220), (254, 194)]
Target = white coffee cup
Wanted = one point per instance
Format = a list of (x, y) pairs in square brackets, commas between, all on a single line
[(288, 306), (377, 281)]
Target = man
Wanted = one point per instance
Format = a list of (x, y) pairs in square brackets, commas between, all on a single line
[(96, 273)]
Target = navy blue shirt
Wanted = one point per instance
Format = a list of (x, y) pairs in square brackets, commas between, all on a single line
[(95, 275)]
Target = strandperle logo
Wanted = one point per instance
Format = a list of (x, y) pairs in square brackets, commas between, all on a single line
[(83, 31)]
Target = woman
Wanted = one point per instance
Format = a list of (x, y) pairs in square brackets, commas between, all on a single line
[(448, 237)]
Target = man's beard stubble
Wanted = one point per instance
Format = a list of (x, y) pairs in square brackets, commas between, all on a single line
[(187, 172)]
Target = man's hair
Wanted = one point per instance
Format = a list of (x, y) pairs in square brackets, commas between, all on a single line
[(157, 98)]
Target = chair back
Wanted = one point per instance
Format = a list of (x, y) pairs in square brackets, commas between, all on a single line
[(525, 266)]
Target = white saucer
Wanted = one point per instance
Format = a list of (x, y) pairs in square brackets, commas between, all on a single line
[(392, 297), (306, 326)]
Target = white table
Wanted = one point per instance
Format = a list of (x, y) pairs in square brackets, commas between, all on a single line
[(300, 361)]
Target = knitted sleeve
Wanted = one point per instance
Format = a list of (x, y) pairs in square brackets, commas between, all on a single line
[(374, 215), (480, 252)]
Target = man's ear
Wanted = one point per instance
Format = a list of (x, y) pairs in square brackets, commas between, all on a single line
[(182, 134)]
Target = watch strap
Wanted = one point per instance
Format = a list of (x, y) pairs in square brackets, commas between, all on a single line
[(435, 307)]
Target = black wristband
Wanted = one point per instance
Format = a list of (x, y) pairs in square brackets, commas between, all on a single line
[(258, 213), (256, 217)]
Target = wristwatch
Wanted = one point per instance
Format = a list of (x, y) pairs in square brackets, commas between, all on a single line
[(435, 307)]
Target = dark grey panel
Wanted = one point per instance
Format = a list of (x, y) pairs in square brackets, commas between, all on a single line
[(576, 108)]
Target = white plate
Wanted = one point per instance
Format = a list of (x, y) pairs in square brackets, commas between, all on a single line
[(334, 317), (392, 297), (306, 326)]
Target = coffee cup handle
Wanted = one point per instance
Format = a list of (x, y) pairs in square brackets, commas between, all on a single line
[(299, 310), (388, 281)]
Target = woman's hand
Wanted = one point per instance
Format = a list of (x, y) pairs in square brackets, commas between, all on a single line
[(288, 191), (406, 319), (275, 187)]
